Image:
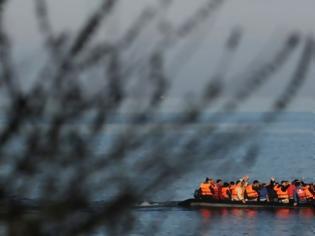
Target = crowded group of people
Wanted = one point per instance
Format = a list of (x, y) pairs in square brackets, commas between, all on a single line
[(243, 190)]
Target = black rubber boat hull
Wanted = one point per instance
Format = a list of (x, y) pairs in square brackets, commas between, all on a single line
[(235, 204)]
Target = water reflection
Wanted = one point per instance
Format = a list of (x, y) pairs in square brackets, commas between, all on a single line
[(282, 213), (205, 213), (227, 221), (223, 221), (239, 213), (307, 213)]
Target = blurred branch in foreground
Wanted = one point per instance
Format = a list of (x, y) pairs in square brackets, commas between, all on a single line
[(49, 140)]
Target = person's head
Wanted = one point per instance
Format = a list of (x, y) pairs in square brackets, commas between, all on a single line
[(232, 183), (219, 181), (255, 182), (226, 184), (294, 181), (207, 180), (245, 178), (238, 181)]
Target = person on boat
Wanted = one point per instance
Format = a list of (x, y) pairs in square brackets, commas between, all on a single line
[(272, 195), (291, 190), (245, 180), (213, 187), (239, 191), (198, 193), (263, 193), (226, 195), (231, 188), (251, 191), (303, 193), (205, 189), (276, 188), (308, 195), (312, 190), (282, 192), (233, 191), (299, 196), (218, 190)]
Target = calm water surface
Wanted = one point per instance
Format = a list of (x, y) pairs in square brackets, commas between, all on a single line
[(286, 151), (225, 221)]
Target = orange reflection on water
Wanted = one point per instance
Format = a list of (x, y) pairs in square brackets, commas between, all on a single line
[(251, 213), (283, 213), (307, 213), (205, 213), (224, 212), (237, 212)]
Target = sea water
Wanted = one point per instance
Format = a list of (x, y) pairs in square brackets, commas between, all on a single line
[(225, 221), (286, 151)]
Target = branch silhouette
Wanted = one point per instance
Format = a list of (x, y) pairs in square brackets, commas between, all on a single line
[(57, 149)]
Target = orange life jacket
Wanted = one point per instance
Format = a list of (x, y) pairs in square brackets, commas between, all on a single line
[(250, 192), (313, 194), (301, 194), (282, 194), (205, 189), (241, 190), (225, 193), (308, 194), (233, 192), (276, 187), (215, 189), (291, 190)]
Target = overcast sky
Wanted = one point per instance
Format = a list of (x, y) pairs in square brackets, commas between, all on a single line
[(265, 24)]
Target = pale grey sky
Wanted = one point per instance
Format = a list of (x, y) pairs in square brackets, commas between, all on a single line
[(261, 20)]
